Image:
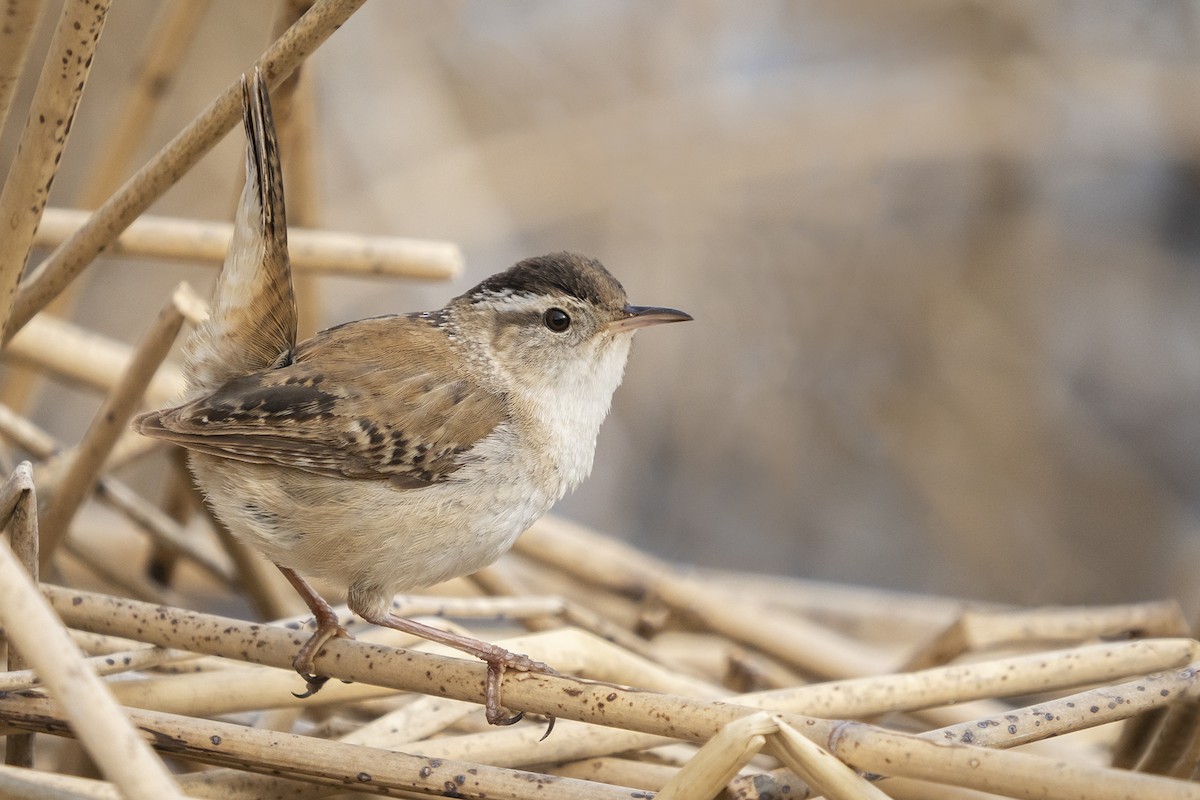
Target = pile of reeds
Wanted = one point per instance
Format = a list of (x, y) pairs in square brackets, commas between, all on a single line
[(673, 683)]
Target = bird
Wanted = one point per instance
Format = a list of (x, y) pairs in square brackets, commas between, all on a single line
[(394, 452)]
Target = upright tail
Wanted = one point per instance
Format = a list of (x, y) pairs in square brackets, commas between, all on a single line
[(253, 320)]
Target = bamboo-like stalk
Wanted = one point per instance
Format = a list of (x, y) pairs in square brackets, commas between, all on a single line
[(1171, 753), (111, 664), (112, 569), (819, 768), (169, 38), (860, 697), (97, 719), (1027, 674), (1076, 712), (111, 420), (129, 447), (15, 35), (664, 715), (795, 641), (856, 698), (715, 764), (1005, 772), (460, 679), (321, 761), (310, 250), (416, 721), (21, 516), (86, 357), (179, 155), (168, 44), (27, 187), (495, 579), (29, 784), (622, 771), (165, 531), (978, 630), (255, 688), (1137, 738)]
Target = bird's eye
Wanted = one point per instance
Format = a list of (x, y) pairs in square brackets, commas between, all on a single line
[(556, 320)]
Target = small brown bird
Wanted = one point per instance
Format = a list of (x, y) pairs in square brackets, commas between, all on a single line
[(395, 452)]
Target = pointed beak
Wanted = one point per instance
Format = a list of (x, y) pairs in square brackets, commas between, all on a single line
[(641, 316)]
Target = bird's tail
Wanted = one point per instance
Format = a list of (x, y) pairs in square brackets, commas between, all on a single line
[(252, 324)]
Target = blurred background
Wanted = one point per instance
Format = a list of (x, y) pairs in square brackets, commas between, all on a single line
[(943, 259)]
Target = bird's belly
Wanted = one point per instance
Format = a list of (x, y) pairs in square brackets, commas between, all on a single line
[(367, 534)]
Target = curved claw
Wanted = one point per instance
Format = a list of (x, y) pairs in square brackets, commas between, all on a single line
[(513, 720), (314, 684), (549, 727)]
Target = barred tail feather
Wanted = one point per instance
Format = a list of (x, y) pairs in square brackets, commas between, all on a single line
[(253, 319)]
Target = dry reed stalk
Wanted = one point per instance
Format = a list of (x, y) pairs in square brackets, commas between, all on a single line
[(791, 639), (676, 717), (1075, 712), (21, 17), (873, 613), (625, 611), (18, 507), (80, 476), (162, 529), (621, 771), (519, 747), (245, 689), (420, 719), (169, 39), (499, 580), (818, 768), (179, 498), (24, 434), (715, 764), (129, 447), (234, 690), (979, 630), (15, 680), (317, 760), (85, 357), (1174, 748), (112, 570), (165, 532), (1026, 674), (1137, 738), (43, 139), (461, 679), (783, 783), (310, 250), (95, 717), (1004, 772), (176, 158), (28, 784)]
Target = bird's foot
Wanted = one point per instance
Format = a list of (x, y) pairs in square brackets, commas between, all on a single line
[(303, 662), (498, 661)]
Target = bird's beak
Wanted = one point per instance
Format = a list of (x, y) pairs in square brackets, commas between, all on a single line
[(641, 316)]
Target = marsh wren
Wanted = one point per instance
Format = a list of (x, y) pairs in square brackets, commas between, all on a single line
[(395, 452)]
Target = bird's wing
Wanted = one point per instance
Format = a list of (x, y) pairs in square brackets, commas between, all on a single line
[(372, 399)]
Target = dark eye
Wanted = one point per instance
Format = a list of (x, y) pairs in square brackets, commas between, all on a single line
[(556, 320)]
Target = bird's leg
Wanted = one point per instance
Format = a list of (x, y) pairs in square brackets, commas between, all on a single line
[(498, 659), (327, 628)]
